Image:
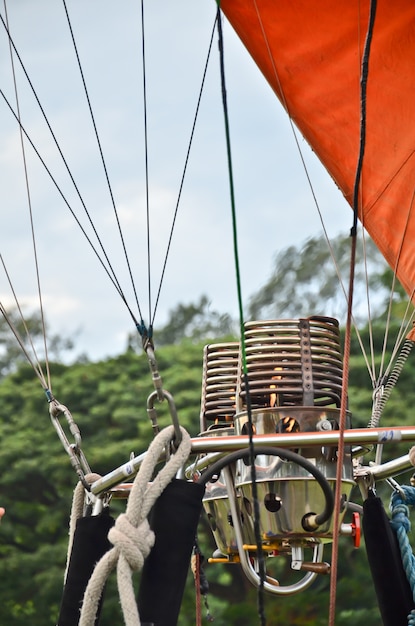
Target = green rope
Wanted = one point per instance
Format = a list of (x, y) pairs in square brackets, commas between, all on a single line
[(260, 554), (232, 194)]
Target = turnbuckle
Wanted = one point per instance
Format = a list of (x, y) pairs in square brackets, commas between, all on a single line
[(74, 450), (157, 382)]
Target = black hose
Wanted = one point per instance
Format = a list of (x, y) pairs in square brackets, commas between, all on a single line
[(288, 455)]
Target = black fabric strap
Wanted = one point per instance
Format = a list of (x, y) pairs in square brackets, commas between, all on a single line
[(90, 543), (174, 520), (392, 587)]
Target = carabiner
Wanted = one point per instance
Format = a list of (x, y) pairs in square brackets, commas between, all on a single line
[(173, 414), (74, 450)]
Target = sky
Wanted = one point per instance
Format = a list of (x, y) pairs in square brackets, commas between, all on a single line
[(274, 204)]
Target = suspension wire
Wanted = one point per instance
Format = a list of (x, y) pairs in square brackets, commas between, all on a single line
[(108, 268), (146, 334), (405, 328), (20, 340), (379, 379), (372, 370), (102, 159), (406, 324), (185, 168), (260, 553), (146, 160), (309, 181), (390, 383), (388, 379), (29, 200), (353, 233), (35, 364), (340, 449), (389, 313), (112, 278)]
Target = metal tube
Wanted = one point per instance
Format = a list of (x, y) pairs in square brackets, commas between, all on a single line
[(206, 445), (391, 468), (362, 436), (117, 476), (270, 584)]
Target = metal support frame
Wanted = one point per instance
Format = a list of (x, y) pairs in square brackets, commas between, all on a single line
[(269, 584), (214, 447)]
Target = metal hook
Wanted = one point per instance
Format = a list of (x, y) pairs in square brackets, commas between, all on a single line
[(396, 487), (173, 414)]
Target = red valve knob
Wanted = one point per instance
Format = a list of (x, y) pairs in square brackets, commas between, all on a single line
[(356, 529)]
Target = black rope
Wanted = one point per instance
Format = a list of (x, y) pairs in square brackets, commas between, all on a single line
[(257, 531), (363, 95), (288, 455), (347, 339)]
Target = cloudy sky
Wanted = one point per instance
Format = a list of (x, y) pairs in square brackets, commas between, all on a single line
[(275, 207)]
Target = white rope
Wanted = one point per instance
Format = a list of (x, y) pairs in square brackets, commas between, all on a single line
[(131, 536)]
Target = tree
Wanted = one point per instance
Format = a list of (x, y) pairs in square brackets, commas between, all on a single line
[(108, 402), (305, 280), (194, 321), (30, 329)]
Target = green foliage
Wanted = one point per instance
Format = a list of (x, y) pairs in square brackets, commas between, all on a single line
[(305, 280), (195, 322), (29, 332), (108, 402)]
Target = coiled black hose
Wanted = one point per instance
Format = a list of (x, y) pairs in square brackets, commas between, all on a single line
[(310, 521)]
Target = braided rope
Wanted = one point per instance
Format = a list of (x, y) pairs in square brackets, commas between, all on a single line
[(401, 525), (131, 536)]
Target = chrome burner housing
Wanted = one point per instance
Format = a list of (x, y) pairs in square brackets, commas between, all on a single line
[(216, 505), (291, 363), (286, 491), (289, 380), (219, 378)]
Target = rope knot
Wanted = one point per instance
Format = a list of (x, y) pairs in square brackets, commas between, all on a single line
[(131, 535), (134, 543), (400, 518)]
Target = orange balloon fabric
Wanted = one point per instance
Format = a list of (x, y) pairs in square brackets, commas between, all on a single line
[(310, 52)]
